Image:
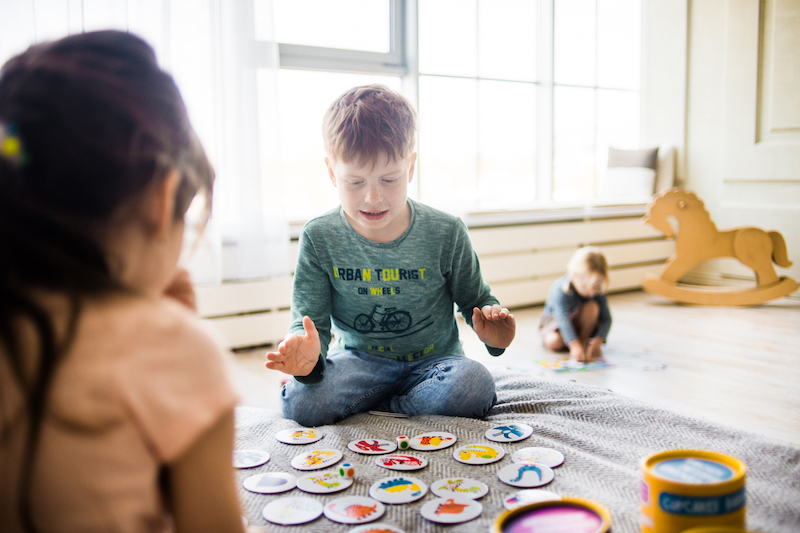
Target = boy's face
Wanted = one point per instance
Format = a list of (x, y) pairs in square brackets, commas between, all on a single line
[(374, 196)]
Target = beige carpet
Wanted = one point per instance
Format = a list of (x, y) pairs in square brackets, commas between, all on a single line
[(603, 436)]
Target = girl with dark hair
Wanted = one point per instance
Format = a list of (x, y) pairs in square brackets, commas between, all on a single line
[(116, 413)]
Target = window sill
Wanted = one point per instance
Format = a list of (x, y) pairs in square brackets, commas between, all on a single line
[(544, 215), (553, 214)]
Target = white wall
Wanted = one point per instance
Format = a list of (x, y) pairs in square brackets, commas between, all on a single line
[(742, 152), (664, 77)]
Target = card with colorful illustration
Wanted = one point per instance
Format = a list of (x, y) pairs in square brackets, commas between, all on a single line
[(435, 440), (401, 462), (479, 454), (372, 446), (526, 476), (509, 432), (270, 483), (354, 510), (534, 454), (459, 487), (298, 436), (451, 510), (249, 458), (398, 489), (292, 511), (324, 482), (316, 459)]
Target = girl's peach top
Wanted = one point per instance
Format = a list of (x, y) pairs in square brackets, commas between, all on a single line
[(142, 381)]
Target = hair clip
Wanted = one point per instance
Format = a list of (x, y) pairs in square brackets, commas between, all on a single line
[(11, 145)]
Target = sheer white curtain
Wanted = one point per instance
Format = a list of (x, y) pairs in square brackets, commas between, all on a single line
[(210, 48)]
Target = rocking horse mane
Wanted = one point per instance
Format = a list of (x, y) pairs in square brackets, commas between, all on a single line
[(673, 197)]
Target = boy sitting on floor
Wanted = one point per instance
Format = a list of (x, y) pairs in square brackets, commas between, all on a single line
[(382, 272)]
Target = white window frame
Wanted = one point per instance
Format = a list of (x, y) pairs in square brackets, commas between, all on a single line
[(336, 59)]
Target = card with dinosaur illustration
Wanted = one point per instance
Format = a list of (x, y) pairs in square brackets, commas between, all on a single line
[(459, 487), (479, 454), (435, 440)]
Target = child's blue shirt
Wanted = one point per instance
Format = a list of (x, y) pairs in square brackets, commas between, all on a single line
[(392, 299), (561, 304)]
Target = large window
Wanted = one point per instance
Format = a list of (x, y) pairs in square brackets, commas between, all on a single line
[(519, 100), (596, 60), (479, 103)]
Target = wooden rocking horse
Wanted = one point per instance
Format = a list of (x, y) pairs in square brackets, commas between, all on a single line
[(699, 240)]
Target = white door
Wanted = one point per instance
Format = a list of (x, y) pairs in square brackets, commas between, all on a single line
[(748, 162)]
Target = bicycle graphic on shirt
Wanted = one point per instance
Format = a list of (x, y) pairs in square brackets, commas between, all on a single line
[(390, 320)]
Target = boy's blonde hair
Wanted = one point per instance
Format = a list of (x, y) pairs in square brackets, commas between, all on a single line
[(366, 121), (588, 259)]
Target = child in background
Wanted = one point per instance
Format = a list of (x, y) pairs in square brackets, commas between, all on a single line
[(576, 315), (382, 272), (115, 410)]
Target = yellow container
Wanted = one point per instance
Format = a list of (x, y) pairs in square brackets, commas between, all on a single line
[(568, 515), (684, 489), (717, 529)]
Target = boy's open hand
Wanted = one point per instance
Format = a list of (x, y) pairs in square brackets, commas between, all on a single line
[(494, 325), (297, 354)]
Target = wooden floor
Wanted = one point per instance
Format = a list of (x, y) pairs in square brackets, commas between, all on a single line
[(738, 366)]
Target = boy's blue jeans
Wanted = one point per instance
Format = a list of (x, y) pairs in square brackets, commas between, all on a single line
[(355, 382)]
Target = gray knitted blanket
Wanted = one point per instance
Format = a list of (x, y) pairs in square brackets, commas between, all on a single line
[(602, 435)]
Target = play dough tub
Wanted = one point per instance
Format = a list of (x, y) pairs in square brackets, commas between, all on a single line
[(717, 529), (568, 515), (684, 489)]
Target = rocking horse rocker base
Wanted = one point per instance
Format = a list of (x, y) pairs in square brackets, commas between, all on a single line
[(706, 296), (699, 240)]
